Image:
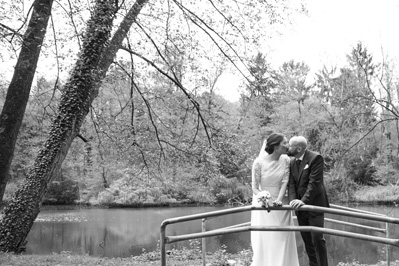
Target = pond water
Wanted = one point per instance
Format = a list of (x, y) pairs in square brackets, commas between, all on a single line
[(127, 232)]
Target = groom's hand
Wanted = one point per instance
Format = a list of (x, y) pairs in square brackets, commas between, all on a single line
[(296, 203)]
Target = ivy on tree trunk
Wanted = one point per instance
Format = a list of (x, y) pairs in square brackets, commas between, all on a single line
[(78, 94), (24, 207)]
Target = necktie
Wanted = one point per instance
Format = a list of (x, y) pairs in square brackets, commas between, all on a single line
[(298, 163)]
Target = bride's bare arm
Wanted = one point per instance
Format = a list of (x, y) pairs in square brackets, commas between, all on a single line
[(282, 191), (284, 182), (256, 170)]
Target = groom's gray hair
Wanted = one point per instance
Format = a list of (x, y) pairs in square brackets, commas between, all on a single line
[(299, 141)]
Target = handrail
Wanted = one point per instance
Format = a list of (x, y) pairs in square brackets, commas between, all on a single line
[(284, 207), (350, 214), (205, 215), (355, 210), (393, 242), (381, 230), (242, 227)]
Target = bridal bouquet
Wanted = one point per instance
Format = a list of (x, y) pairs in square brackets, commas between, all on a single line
[(264, 199)]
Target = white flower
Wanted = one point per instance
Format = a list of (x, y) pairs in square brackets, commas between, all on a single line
[(264, 194), (263, 198)]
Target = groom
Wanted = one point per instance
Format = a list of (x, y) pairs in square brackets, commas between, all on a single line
[(306, 187)]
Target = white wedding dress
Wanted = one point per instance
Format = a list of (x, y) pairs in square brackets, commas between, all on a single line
[(272, 248)]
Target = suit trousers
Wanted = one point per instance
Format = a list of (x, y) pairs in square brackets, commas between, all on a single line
[(315, 244)]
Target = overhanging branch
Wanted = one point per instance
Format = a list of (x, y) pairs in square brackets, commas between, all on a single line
[(184, 9), (179, 85)]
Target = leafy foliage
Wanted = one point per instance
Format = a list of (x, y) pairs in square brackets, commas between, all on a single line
[(120, 160), (64, 192), (143, 140)]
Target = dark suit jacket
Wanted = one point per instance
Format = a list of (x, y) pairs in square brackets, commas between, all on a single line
[(308, 184)]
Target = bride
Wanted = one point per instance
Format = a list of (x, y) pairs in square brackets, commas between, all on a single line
[(270, 172)]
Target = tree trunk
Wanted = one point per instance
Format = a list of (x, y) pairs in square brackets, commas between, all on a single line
[(78, 94), (116, 41), (24, 207), (19, 89)]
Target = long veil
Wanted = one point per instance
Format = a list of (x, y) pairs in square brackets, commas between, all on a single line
[(262, 152)]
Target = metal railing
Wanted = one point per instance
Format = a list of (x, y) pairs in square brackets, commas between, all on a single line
[(246, 227), (332, 221)]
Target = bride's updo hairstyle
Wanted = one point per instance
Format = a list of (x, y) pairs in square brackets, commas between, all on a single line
[(273, 140)]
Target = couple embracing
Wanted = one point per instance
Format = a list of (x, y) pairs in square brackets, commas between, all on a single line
[(302, 175)]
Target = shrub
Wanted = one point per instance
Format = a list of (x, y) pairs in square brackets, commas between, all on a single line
[(338, 186), (229, 190), (386, 174), (378, 194), (360, 170), (184, 254), (62, 192), (105, 197), (220, 257), (245, 257), (202, 195)]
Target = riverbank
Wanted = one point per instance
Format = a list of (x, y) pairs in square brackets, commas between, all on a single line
[(169, 205), (121, 205), (367, 195)]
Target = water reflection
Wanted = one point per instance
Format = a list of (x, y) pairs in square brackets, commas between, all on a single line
[(127, 232)]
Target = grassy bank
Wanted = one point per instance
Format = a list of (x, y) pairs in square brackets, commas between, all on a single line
[(67, 259), (184, 257), (191, 256), (377, 195)]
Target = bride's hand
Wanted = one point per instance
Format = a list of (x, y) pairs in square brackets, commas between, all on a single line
[(277, 203)]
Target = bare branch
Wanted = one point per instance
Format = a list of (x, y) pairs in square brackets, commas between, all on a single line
[(371, 130), (70, 15), (331, 115), (12, 30), (393, 109), (73, 23), (58, 62), (82, 138), (178, 84), (148, 108), (228, 20), (184, 9), (187, 152), (27, 15)]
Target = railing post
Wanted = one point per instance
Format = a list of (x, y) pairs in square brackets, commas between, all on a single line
[(388, 247), (204, 242), (163, 244)]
